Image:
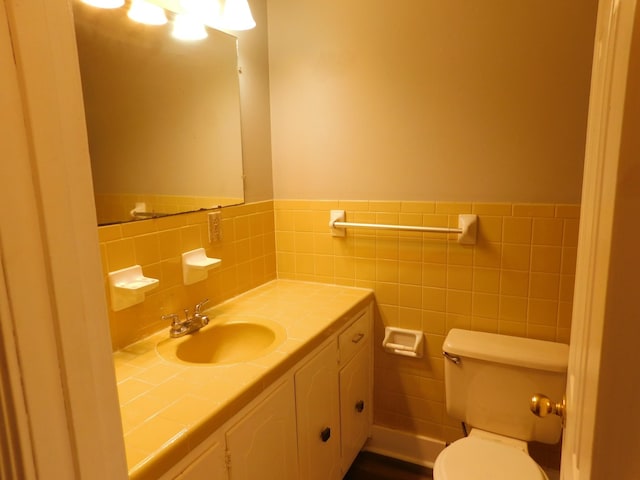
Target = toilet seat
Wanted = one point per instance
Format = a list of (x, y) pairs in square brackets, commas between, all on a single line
[(477, 458)]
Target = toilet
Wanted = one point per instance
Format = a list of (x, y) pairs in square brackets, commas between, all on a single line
[(489, 381)]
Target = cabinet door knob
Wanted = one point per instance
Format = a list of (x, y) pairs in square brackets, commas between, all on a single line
[(359, 406), (325, 434)]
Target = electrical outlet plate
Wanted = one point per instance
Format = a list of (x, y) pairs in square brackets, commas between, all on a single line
[(214, 227)]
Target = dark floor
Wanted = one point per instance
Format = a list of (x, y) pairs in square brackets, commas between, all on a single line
[(370, 466)]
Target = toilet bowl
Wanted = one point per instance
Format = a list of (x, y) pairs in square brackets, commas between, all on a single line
[(489, 381), (486, 456)]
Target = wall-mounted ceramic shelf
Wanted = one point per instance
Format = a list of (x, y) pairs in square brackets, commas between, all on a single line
[(196, 265), (128, 287), (401, 341)]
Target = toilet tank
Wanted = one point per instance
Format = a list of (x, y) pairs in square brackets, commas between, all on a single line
[(490, 378)]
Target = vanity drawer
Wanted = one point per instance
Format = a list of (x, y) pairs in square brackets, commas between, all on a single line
[(355, 336)]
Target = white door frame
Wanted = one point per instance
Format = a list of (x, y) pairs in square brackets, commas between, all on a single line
[(599, 196), (53, 308)]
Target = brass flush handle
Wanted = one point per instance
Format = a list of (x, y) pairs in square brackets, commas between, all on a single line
[(542, 406)]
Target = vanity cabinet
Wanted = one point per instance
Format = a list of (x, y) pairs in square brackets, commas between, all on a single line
[(355, 406), (263, 443), (318, 416), (210, 464), (310, 425), (333, 402)]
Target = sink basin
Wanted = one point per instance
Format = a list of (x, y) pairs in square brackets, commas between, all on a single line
[(225, 342)]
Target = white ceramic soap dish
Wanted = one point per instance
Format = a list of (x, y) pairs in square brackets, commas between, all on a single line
[(128, 286), (196, 265)]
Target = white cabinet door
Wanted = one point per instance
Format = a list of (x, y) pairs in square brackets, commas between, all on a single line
[(208, 466), (318, 416), (262, 445), (355, 405)]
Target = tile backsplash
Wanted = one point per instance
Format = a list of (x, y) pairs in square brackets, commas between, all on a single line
[(247, 250), (517, 280)]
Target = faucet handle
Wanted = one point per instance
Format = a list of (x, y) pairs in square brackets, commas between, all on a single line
[(172, 316), (200, 305)]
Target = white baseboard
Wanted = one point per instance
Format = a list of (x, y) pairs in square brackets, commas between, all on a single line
[(405, 446)]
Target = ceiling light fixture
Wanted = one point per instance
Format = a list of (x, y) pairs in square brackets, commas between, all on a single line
[(104, 3), (236, 15), (187, 27), (144, 12)]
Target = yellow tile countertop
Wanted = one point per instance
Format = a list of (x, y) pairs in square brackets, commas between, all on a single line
[(168, 408)]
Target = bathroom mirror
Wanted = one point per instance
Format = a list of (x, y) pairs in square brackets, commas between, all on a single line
[(162, 114)]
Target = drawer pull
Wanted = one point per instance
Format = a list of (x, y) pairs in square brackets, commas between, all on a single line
[(360, 406), (325, 434), (357, 337)]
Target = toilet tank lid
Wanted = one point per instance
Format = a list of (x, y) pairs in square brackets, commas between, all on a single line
[(518, 351)]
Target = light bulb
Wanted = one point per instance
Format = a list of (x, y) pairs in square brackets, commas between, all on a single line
[(104, 3), (187, 27), (236, 15), (145, 12)]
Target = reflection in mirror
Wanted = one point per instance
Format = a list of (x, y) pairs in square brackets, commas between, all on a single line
[(163, 116)]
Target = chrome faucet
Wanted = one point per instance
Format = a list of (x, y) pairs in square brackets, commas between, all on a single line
[(189, 324)]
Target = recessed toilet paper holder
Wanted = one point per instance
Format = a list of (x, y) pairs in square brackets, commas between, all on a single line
[(402, 341)]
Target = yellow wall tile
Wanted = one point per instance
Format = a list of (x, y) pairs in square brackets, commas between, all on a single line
[(433, 322), (410, 273), (387, 293), (132, 229), (454, 208), (304, 242), (566, 287), (434, 299), (387, 247), (543, 312), (410, 249), (418, 207), (147, 249), (516, 257), (533, 210), (434, 275), (490, 228), (485, 305), (545, 285), (568, 211), (488, 255), (109, 232), (459, 302), (324, 265), (496, 209), (386, 270), (390, 207), (514, 283), (570, 235), (410, 296), (547, 231), (517, 230), (485, 324), (518, 329), (120, 254), (459, 278), (546, 259), (513, 308), (456, 255), (486, 280)]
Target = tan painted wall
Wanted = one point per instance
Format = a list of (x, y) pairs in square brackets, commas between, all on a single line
[(447, 101)]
